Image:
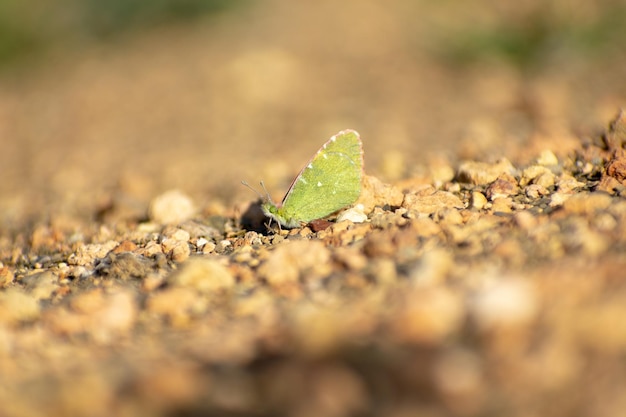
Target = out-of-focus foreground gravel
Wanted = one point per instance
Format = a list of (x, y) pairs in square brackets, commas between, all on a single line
[(487, 278), (478, 289)]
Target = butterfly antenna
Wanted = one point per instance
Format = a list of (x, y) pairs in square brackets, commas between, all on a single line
[(269, 198), (253, 190)]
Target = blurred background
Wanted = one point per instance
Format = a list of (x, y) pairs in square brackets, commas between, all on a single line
[(105, 104)]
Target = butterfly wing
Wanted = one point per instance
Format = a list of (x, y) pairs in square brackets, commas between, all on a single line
[(329, 182)]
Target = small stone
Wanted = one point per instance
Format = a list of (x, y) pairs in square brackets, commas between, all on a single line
[(428, 316), (504, 303), (41, 285), (171, 207), (525, 220), (125, 246), (206, 276), (502, 205), (535, 191), (376, 193), (547, 158), (293, 260), (501, 188), (532, 172), (558, 199), (178, 304), (478, 200), (431, 202), (567, 184), (180, 252), (545, 180), (6, 276), (16, 306), (208, 247), (479, 173), (587, 203), (354, 214), (87, 254), (151, 249)]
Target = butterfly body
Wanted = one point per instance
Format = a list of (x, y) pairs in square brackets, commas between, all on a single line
[(328, 183)]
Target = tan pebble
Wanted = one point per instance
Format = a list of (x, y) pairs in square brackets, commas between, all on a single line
[(501, 188), (6, 276), (354, 214), (204, 275), (478, 200), (176, 234), (209, 247), (383, 270), (425, 227), (502, 205), (177, 304), (558, 199), (125, 246), (587, 203), (428, 316), (151, 249), (568, 184), (525, 220), (459, 377), (440, 170), (432, 268), (16, 306), (41, 285), (116, 316), (294, 259), (535, 191), (604, 222), (546, 180), (532, 172), (450, 216), (222, 245), (171, 207), (429, 204), (180, 252), (376, 193), (350, 257), (547, 158), (504, 303), (479, 173), (87, 254)]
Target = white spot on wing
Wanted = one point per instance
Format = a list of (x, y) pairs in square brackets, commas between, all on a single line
[(310, 166), (325, 156), (319, 184), (302, 180)]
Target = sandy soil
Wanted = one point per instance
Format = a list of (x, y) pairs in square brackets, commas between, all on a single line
[(137, 276)]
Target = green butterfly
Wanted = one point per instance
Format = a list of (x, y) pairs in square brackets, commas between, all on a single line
[(329, 182)]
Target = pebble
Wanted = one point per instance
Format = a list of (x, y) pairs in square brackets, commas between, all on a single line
[(547, 158), (431, 203), (501, 188), (293, 260), (16, 306), (171, 207), (177, 304), (354, 214), (206, 276), (6, 276), (41, 285), (87, 254), (481, 173), (587, 203), (478, 200), (504, 303), (427, 316)]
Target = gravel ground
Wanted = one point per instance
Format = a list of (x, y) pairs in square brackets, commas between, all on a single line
[(137, 277)]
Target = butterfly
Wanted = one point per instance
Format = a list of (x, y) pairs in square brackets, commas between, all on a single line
[(329, 182)]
